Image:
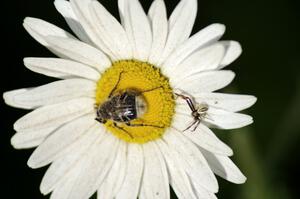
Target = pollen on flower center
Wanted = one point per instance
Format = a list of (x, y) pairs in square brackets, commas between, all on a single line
[(132, 75)]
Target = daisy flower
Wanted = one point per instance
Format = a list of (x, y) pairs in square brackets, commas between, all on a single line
[(132, 111)]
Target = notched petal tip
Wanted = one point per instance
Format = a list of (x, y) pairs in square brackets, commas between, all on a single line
[(14, 142), (229, 151), (237, 46), (27, 20), (247, 121), (30, 164), (227, 120), (233, 51), (231, 75), (252, 100), (224, 167), (219, 27), (6, 97), (27, 60), (56, 2), (32, 22), (9, 98), (63, 6), (241, 180), (43, 190)]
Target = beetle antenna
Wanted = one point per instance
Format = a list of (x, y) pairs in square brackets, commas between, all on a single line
[(117, 84), (150, 90)]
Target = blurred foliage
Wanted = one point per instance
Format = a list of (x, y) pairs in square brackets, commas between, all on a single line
[(267, 151)]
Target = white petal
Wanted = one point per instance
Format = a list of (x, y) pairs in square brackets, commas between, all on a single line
[(110, 31), (192, 160), (65, 9), (205, 59), (79, 51), (39, 29), (159, 25), (30, 139), (114, 180), (202, 193), (227, 120), (61, 68), (9, 98), (52, 93), (182, 119), (233, 51), (82, 12), (206, 139), (224, 167), (205, 82), (56, 143), (134, 170), (178, 178), (228, 102), (99, 163), (53, 116), (213, 196), (62, 166), (64, 188), (121, 6), (203, 38), (125, 21), (155, 182), (138, 29), (122, 174), (180, 25)]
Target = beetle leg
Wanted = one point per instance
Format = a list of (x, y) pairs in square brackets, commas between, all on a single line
[(141, 125), (98, 119), (122, 129)]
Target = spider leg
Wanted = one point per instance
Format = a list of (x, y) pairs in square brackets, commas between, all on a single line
[(190, 126), (196, 125), (207, 116), (188, 100), (122, 129)]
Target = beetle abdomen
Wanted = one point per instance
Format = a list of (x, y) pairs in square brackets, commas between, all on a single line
[(123, 107)]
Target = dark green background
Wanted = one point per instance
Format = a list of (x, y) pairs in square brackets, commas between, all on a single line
[(267, 151)]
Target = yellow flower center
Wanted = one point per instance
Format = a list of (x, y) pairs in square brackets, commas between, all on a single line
[(144, 83)]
